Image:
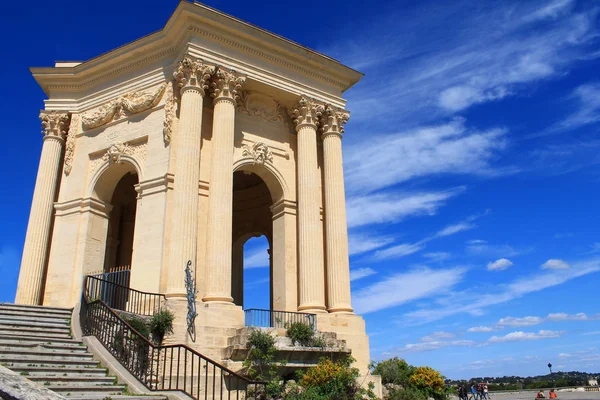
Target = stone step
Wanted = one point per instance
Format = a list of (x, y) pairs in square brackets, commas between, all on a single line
[(44, 309), (84, 388), (38, 352), (36, 331), (46, 361), (18, 344), (35, 315), (38, 339), (92, 380), (23, 321), (60, 371)]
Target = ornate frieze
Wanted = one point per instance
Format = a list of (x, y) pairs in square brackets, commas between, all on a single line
[(227, 84), (333, 120), (262, 106), (307, 111), (55, 123), (260, 152), (131, 103), (70, 146), (193, 73), (115, 153), (169, 113)]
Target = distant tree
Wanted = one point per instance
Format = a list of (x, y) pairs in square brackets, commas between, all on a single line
[(394, 371)]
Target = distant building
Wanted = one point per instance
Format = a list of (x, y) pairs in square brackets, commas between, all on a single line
[(593, 382)]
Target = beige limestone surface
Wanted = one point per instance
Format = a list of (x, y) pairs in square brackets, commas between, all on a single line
[(231, 132)]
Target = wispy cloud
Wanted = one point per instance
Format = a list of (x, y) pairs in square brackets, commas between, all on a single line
[(397, 251), (464, 302), (434, 345), (555, 264), (451, 148), (359, 243), (395, 206), (499, 265), (481, 329), (435, 336), (360, 273), (437, 256), (586, 99), (514, 322), (520, 336), (405, 287), (258, 258)]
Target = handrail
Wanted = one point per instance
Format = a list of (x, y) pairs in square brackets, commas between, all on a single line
[(122, 297), (165, 368), (278, 319)]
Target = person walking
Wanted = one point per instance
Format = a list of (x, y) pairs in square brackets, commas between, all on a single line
[(474, 394), (486, 392)]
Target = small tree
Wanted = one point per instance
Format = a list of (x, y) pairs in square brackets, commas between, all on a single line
[(430, 381), (394, 371)]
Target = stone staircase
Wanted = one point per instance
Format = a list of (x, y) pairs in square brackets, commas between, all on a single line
[(36, 342)]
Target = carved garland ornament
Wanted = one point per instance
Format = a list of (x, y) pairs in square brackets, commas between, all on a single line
[(169, 113), (70, 146), (259, 151), (262, 106), (131, 103)]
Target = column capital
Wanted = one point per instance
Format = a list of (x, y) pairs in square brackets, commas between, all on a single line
[(333, 121), (307, 112), (193, 74), (55, 124), (226, 84)]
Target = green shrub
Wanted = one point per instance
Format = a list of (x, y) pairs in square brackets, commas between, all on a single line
[(395, 371), (334, 380), (161, 324), (138, 324), (301, 333), (260, 362)]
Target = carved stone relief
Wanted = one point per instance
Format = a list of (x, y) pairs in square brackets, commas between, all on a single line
[(70, 145), (114, 154), (259, 151), (169, 113), (262, 106), (131, 103)]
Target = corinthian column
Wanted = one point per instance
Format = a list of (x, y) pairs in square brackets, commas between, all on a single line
[(35, 250), (226, 85), (311, 273), (192, 77), (336, 238)]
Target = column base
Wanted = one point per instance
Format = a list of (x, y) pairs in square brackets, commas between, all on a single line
[(217, 299), (341, 310), (312, 309), (175, 295)]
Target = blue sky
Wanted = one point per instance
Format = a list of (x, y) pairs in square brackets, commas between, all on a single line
[(471, 157)]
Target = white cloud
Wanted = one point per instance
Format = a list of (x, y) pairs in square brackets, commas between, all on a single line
[(451, 148), (524, 321), (405, 287), (436, 336), (393, 207), (363, 243), (456, 228), (483, 248), (360, 273), (523, 336), (258, 258), (434, 345), (437, 256), (555, 264), (499, 265), (567, 317), (481, 329), (464, 302), (587, 109), (398, 251)]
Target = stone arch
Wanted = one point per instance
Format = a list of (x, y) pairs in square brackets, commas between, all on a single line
[(268, 173), (105, 179)]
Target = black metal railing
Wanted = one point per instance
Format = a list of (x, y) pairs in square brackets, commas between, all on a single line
[(119, 275), (164, 368), (122, 297), (278, 319)]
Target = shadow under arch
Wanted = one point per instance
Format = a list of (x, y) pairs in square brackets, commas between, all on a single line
[(269, 174), (105, 179)]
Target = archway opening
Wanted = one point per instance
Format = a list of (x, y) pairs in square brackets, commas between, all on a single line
[(121, 227), (252, 267)]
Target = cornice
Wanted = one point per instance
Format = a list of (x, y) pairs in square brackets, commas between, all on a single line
[(193, 18)]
